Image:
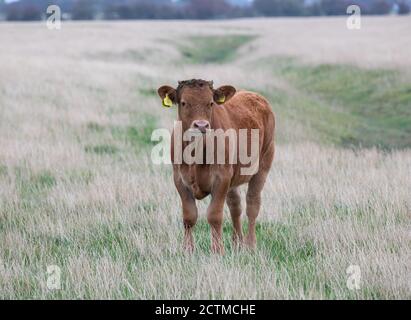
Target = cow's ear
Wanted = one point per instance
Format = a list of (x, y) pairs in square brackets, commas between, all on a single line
[(168, 95), (223, 94)]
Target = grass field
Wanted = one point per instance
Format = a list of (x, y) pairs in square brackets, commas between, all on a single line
[(78, 189)]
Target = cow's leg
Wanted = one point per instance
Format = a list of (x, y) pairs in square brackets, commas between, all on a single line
[(190, 213), (234, 204), (255, 186), (215, 215), (253, 199)]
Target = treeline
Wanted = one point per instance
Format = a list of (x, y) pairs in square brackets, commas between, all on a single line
[(193, 9)]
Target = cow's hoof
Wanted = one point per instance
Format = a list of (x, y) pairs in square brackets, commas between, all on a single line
[(189, 248), (250, 244), (218, 250), (238, 242)]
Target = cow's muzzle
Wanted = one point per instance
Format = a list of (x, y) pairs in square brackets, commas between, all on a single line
[(201, 125)]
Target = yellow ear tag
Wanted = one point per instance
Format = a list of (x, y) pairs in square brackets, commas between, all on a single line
[(167, 102), (221, 99)]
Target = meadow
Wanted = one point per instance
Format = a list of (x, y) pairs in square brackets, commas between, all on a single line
[(78, 189)]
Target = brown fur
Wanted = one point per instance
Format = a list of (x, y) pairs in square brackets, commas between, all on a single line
[(197, 100)]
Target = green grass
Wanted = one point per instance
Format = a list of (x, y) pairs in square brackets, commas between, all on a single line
[(277, 242), (101, 149), (129, 55), (280, 250), (347, 105), (30, 185), (79, 176), (213, 49), (79, 191), (95, 127), (148, 92), (3, 170), (138, 134)]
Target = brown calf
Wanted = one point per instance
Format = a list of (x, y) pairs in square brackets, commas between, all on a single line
[(202, 107)]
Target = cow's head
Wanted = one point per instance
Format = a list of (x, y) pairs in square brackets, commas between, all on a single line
[(195, 100)]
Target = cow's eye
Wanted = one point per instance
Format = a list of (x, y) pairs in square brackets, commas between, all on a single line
[(183, 104), (211, 103)]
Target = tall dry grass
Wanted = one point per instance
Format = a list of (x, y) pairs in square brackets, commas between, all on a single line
[(78, 189)]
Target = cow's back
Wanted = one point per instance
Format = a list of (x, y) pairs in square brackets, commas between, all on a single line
[(249, 110)]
